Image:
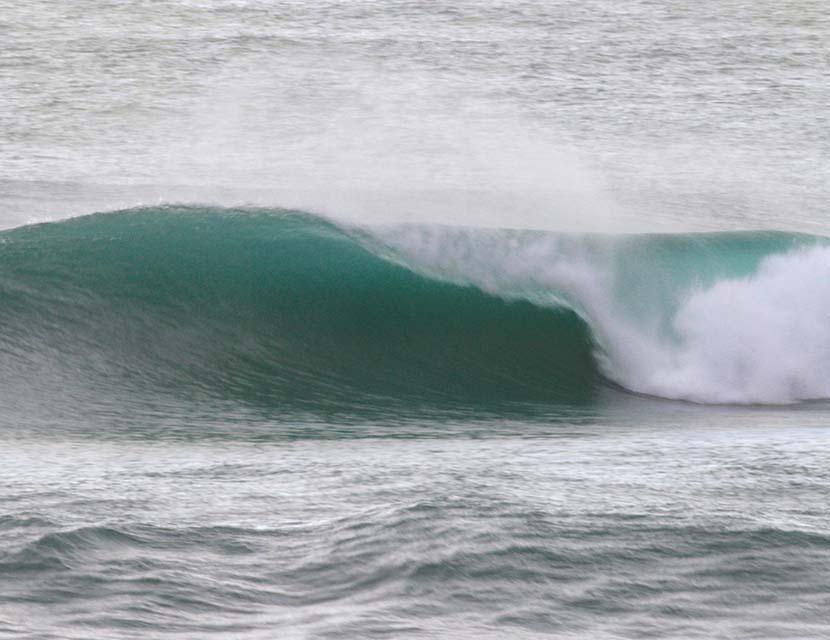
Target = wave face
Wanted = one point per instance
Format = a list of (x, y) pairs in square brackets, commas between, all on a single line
[(285, 309)]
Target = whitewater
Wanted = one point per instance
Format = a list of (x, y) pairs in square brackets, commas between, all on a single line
[(414, 320)]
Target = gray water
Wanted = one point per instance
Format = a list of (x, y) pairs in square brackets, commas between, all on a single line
[(132, 506)]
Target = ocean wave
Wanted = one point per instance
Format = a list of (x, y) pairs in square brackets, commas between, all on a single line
[(287, 309)]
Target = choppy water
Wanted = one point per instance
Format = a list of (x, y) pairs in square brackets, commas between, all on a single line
[(394, 319)]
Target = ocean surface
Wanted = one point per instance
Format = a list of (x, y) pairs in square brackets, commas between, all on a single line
[(414, 319)]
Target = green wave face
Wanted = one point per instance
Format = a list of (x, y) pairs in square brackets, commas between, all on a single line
[(273, 308), (176, 309)]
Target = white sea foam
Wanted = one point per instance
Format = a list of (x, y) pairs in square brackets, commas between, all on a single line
[(761, 339), (764, 338)]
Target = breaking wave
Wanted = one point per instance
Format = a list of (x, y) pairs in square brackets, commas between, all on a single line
[(289, 309)]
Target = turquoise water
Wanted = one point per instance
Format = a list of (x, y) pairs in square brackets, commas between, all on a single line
[(411, 320)]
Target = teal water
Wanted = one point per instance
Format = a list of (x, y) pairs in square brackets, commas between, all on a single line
[(408, 320), (290, 311)]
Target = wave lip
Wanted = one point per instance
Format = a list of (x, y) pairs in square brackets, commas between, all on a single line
[(285, 310), (726, 318)]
